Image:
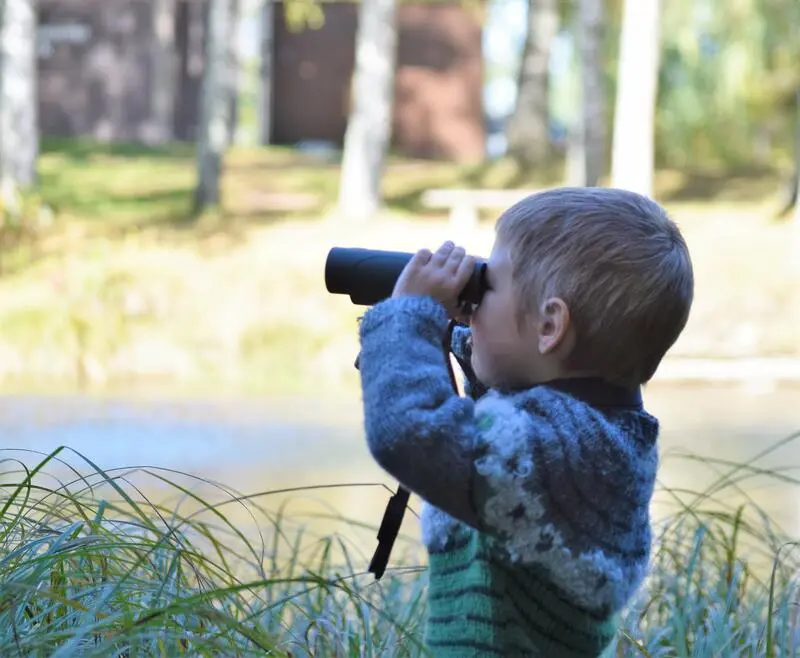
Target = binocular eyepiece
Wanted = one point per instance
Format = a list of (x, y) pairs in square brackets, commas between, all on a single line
[(368, 276)]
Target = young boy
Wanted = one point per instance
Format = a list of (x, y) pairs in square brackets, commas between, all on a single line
[(537, 484)]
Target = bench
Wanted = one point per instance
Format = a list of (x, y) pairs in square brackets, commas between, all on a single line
[(465, 204)]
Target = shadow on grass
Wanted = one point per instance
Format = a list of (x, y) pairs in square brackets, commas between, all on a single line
[(83, 150), (746, 184), (115, 189), (405, 193)]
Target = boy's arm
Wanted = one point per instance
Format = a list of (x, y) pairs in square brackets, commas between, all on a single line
[(418, 428)]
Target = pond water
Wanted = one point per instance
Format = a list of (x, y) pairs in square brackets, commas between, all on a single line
[(258, 445)]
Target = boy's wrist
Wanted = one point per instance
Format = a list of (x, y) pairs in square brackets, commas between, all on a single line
[(422, 312)]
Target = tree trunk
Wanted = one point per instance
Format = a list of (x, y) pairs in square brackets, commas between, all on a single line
[(794, 257), (212, 137), (265, 72), (165, 69), (369, 126), (235, 68), (796, 194), (637, 86), (528, 131), (19, 121), (590, 40)]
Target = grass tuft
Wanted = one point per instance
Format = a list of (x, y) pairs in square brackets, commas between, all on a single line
[(91, 565)]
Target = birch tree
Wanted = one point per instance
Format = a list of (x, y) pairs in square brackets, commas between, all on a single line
[(369, 126), (164, 65), (796, 194), (794, 258), (266, 41), (212, 133), (528, 133), (593, 108), (19, 122), (632, 158), (235, 61)]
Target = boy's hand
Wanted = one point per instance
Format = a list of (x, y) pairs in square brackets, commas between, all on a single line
[(442, 275)]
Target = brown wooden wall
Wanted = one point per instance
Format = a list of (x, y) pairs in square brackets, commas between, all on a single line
[(101, 87), (98, 87), (438, 105)]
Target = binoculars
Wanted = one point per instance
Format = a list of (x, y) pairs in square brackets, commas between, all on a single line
[(369, 275)]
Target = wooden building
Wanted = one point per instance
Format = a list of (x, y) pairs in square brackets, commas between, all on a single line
[(98, 60)]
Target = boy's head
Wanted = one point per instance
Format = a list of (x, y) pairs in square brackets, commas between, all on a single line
[(588, 281)]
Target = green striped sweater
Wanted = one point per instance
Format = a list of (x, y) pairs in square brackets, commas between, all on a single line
[(536, 502), (481, 605)]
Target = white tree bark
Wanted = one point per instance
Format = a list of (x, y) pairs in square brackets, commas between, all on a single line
[(637, 85), (212, 137), (266, 48), (797, 162), (19, 120), (794, 253), (369, 126), (528, 131), (593, 107), (164, 65), (235, 68)]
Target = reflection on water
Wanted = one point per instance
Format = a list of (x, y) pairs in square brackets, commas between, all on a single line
[(265, 445)]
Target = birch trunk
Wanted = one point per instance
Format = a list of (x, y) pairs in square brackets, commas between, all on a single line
[(593, 110), (369, 126), (797, 168), (19, 121), (265, 72), (794, 256), (212, 137), (235, 69), (164, 65), (637, 85), (528, 131)]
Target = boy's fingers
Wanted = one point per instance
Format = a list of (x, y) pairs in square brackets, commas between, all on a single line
[(455, 259), (443, 253), (420, 258), (464, 270)]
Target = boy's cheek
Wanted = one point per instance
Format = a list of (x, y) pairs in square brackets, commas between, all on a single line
[(475, 356)]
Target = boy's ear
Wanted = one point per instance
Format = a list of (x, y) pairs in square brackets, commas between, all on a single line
[(553, 324)]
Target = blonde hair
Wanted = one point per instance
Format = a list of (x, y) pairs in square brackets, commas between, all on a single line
[(619, 263)]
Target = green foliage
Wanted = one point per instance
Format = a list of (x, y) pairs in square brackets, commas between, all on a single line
[(304, 14), (727, 71)]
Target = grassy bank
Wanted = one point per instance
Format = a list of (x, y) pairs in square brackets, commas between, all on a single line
[(121, 287), (90, 565)]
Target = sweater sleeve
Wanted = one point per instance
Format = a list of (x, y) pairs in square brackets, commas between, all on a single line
[(418, 429)]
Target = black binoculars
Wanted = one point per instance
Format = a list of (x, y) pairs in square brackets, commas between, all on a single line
[(369, 275)]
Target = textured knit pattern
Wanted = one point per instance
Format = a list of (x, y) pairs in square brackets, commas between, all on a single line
[(536, 514)]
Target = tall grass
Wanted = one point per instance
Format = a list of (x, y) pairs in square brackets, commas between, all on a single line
[(90, 566)]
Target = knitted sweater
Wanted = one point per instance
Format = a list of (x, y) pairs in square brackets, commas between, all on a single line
[(536, 502)]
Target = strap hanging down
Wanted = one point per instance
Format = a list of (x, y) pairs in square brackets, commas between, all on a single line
[(396, 507)]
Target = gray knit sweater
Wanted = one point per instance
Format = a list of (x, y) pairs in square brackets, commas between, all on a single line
[(549, 485)]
